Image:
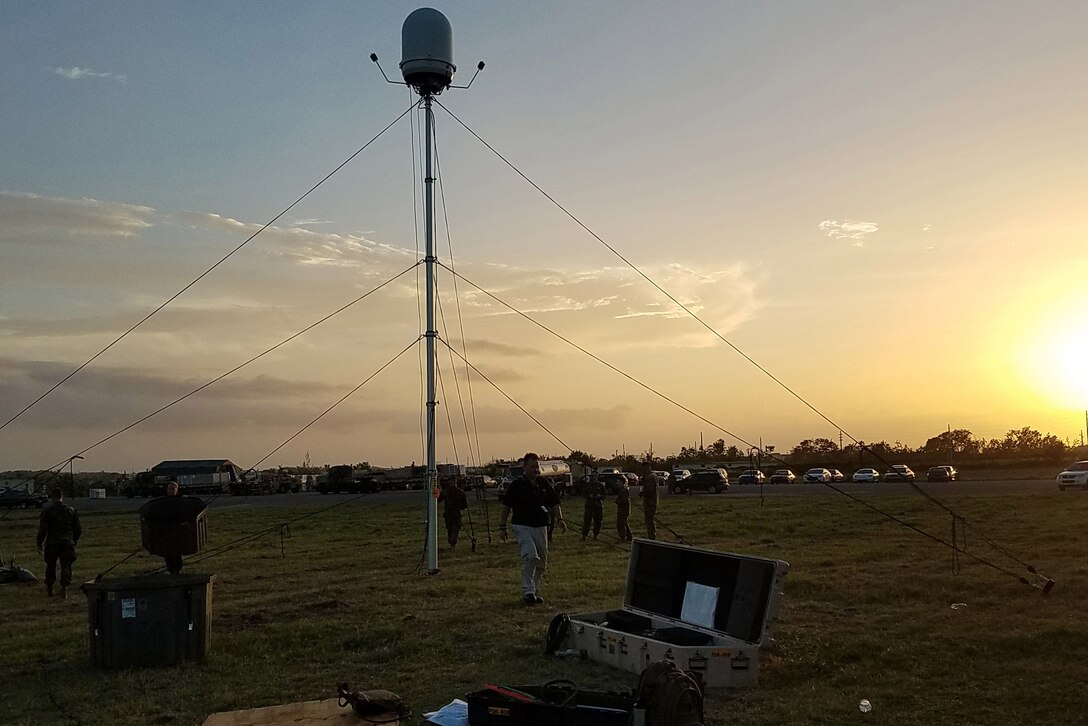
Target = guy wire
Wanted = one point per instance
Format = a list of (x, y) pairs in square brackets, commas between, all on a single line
[(178, 294)]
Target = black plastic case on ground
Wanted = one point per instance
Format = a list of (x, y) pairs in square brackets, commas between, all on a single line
[(553, 705)]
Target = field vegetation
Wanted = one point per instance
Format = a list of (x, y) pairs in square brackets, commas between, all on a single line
[(872, 610)]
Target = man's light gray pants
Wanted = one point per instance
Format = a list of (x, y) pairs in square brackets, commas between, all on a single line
[(533, 542)]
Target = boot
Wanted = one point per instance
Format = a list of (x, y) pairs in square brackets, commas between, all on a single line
[(49, 589)]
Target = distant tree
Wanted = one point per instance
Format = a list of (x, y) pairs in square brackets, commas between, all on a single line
[(717, 449), (689, 454), (1026, 442), (581, 457), (815, 448), (956, 441)]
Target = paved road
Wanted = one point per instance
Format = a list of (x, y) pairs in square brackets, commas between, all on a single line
[(311, 499)]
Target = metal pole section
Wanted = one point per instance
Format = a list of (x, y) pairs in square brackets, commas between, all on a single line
[(432, 469)]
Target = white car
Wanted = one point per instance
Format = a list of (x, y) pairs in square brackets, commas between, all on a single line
[(866, 475), (661, 476), (818, 474), (1075, 475), (680, 474)]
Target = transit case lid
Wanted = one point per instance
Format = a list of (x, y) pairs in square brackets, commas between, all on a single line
[(721, 593)]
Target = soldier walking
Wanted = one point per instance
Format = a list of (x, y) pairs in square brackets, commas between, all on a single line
[(594, 509), (58, 533), (649, 484), (623, 510), (454, 502)]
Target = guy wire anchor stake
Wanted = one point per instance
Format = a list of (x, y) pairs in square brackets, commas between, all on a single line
[(1047, 584)]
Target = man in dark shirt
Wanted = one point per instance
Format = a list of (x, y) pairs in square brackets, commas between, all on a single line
[(58, 533), (531, 499)]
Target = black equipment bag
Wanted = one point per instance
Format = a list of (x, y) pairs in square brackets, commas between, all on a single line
[(671, 696), (556, 703)]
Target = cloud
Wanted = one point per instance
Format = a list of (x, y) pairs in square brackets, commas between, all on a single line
[(75, 73), (848, 229), (490, 346), (304, 246), (50, 219)]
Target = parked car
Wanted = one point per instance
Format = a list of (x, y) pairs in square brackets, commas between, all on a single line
[(680, 474), (12, 498), (836, 475), (899, 472), (941, 473), (1075, 475), (818, 474), (710, 480), (782, 476), (866, 475), (662, 476), (751, 476)]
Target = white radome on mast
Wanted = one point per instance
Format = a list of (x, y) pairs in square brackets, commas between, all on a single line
[(427, 51), (427, 66)]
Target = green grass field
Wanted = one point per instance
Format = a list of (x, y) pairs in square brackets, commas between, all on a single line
[(867, 613)]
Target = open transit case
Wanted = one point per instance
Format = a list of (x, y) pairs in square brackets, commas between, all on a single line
[(709, 612)]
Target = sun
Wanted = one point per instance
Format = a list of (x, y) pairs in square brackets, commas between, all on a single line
[(1054, 360), (1070, 360)]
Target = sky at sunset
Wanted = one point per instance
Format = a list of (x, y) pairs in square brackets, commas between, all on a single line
[(884, 205)]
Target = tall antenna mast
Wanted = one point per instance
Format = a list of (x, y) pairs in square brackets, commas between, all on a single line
[(427, 67)]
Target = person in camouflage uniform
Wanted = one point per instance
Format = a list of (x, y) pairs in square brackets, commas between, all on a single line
[(454, 502), (593, 491), (648, 491), (623, 510), (58, 533)]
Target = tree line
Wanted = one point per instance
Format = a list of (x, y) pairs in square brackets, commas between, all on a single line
[(952, 445)]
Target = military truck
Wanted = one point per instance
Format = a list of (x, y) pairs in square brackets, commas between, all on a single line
[(194, 477), (344, 478)]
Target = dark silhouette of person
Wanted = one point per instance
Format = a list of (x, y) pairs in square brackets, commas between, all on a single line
[(58, 533), (454, 502), (173, 562), (648, 491), (594, 510)]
